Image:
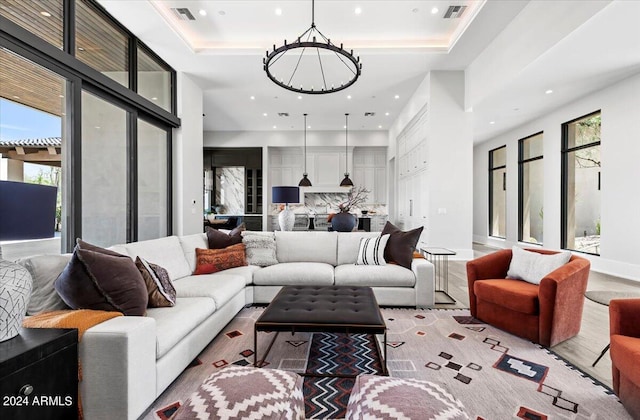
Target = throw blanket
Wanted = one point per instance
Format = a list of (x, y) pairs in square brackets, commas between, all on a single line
[(81, 319)]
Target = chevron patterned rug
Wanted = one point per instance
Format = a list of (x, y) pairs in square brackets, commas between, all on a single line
[(495, 375)]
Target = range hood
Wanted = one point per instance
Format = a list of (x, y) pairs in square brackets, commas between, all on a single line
[(323, 190)]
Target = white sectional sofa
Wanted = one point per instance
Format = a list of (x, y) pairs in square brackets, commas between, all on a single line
[(127, 362)]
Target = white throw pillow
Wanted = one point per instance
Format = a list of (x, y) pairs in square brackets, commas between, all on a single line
[(371, 250), (260, 248), (532, 266)]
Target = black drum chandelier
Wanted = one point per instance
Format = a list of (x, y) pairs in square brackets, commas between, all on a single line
[(312, 64)]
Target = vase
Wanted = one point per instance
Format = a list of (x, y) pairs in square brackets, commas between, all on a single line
[(344, 222), (15, 291)]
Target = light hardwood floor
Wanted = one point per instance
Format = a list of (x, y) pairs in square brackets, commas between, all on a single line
[(581, 350)]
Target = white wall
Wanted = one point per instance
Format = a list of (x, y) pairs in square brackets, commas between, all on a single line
[(620, 106), (187, 159), (449, 159)]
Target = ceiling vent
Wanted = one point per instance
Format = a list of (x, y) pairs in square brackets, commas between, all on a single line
[(369, 114), (454, 12), (283, 114), (183, 13)]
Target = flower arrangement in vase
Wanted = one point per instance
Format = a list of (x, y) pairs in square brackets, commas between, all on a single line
[(355, 197)]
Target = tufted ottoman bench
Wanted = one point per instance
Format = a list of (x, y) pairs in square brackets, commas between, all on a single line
[(383, 397), (239, 392), (342, 309)]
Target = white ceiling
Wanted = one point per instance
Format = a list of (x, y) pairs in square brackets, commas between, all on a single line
[(398, 43)]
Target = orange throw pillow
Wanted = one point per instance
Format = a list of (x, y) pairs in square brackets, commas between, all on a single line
[(213, 260)]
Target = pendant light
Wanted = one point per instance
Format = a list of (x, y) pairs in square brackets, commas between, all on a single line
[(304, 182), (346, 182)]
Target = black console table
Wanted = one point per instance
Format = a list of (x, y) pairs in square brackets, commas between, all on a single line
[(39, 375)]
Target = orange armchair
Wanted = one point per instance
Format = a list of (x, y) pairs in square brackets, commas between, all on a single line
[(547, 314), (624, 327)]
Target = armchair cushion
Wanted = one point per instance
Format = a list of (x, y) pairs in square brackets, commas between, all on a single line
[(516, 295), (625, 355), (532, 266)]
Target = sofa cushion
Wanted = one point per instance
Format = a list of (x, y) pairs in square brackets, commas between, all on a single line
[(516, 295), (389, 275), (97, 278), (349, 243), (371, 251), (245, 272), (219, 287), (298, 274), (401, 244), (320, 247), (260, 248), (176, 322), (159, 287), (214, 260), (189, 243), (532, 266), (166, 252), (44, 270)]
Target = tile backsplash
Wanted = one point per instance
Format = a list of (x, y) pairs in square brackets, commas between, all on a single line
[(322, 203)]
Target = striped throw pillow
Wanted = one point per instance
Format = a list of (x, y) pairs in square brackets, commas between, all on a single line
[(371, 251)]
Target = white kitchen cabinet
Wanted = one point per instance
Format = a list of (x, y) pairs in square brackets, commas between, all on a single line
[(370, 171)]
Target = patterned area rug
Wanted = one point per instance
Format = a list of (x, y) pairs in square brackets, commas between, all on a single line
[(494, 374)]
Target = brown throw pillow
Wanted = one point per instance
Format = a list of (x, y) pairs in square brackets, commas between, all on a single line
[(159, 287), (97, 278), (401, 244), (221, 240), (213, 260)]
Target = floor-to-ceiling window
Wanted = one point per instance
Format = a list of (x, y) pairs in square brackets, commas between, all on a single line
[(104, 171), (32, 140), (530, 189), (115, 107), (498, 192), (581, 175), (152, 194)]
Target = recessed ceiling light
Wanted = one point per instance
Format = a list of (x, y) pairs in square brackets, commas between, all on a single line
[(358, 10), (264, 115), (348, 96), (222, 12), (202, 12), (492, 122), (45, 14), (397, 96), (434, 10), (309, 126), (278, 13), (253, 98), (154, 98), (344, 126), (379, 126), (386, 113), (275, 126), (548, 91), (61, 96), (299, 96), (97, 127)]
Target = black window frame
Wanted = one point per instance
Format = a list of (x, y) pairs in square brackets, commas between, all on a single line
[(81, 76), (504, 187), (521, 162), (565, 150)]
